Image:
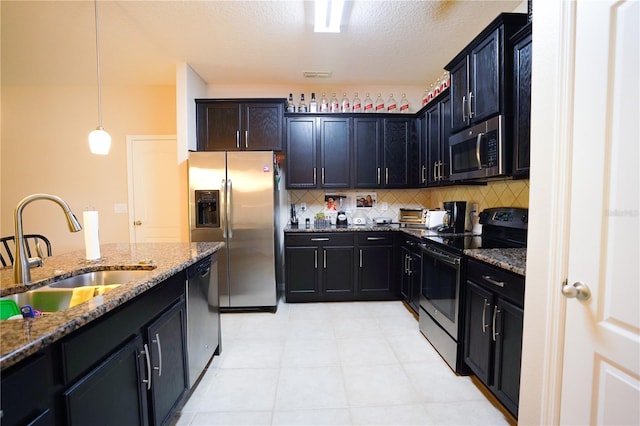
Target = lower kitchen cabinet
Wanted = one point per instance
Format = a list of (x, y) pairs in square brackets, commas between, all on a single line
[(493, 329), (375, 266), (339, 266), (411, 271)]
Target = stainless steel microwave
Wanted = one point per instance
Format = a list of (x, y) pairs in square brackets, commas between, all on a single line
[(479, 152)]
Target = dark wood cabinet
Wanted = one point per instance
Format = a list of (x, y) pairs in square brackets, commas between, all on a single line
[(481, 74), (367, 152), (411, 271), (318, 152), (319, 266), (396, 168), (437, 131), (375, 266), (339, 266), (234, 125), (522, 57), (493, 329)]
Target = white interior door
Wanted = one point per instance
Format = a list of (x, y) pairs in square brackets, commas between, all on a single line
[(601, 364), (154, 189)]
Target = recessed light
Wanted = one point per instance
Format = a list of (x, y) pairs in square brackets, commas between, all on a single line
[(317, 74)]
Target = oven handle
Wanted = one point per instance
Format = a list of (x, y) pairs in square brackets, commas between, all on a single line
[(443, 257)]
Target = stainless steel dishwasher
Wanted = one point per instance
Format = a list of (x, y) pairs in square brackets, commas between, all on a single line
[(203, 315)]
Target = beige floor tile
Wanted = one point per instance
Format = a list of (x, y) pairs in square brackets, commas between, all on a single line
[(377, 385), (337, 417), (465, 413), (438, 384), (231, 418), (414, 414), (253, 353), (310, 353), (306, 388), (365, 351)]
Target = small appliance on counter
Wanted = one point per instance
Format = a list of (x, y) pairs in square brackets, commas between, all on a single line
[(341, 220), (412, 216), (382, 220), (359, 218), (455, 217), (435, 219), (293, 218)]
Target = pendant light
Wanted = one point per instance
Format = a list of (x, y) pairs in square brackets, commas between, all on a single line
[(99, 139)]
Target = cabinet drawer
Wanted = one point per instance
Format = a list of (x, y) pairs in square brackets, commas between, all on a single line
[(86, 347), (319, 238), (497, 280), (375, 238)]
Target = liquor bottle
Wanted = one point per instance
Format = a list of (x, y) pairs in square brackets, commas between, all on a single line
[(379, 104), (425, 97), (334, 105), (291, 107), (344, 104), (356, 106), (391, 104), (324, 103), (404, 104), (302, 107), (368, 104), (313, 105)]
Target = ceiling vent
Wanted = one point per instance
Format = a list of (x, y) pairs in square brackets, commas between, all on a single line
[(316, 74)]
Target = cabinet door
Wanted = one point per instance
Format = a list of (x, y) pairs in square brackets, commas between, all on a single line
[(263, 126), (477, 338), (414, 288), (445, 132), (396, 136), (459, 95), (335, 153), (366, 147), (508, 353), (405, 278), (167, 344), (522, 106), (433, 142), (113, 393), (338, 276), (218, 126), (485, 78), (301, 153), (301, 269), (375, 280)]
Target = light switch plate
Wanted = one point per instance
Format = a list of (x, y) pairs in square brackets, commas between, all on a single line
[(384, 206), (120, 208)]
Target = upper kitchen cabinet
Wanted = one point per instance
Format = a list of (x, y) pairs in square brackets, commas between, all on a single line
[(367, 152), (237, 125), (398, 171), (318, 152), (521, 102), (436, 128), (480, 71)]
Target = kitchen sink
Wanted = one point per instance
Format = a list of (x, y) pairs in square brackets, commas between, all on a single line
[(72, 291), (100, 278)]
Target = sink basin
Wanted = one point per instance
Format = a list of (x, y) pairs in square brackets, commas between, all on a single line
[(72, 291), (100, 278)]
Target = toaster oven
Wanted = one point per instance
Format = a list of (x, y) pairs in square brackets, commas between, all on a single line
[(415, 216)]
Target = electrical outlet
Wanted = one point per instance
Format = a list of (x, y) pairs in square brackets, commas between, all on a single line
[(384, 206)]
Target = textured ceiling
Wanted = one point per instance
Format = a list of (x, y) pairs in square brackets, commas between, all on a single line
[(235, 42)]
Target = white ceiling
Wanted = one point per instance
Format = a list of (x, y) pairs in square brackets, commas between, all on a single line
[(235, 42)]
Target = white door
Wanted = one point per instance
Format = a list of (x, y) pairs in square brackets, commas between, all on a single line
[(601, 364), (154, 189)]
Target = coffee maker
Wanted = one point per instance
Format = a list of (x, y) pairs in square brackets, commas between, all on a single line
[(454, 220)]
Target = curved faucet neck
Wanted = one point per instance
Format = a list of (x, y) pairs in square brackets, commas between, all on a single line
[(21, 271)]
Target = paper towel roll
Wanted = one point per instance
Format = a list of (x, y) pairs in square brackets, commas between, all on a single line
[(91, 237)]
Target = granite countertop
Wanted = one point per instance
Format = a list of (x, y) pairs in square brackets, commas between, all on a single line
[(23, 337), (511, 259)]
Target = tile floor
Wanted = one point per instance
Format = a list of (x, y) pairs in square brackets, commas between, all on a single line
[(362, 363)]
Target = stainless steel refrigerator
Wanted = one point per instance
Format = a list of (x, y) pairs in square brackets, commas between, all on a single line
[(231, 199)]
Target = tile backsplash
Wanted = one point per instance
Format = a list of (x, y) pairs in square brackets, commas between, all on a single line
[(503, 193)]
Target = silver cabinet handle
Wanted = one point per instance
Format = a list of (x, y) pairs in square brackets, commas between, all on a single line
[(246, 139), (441, 170), (496, 311), (238, 139), (159, 367), (405, 264), (378, 178), (314, 176), (146, 354), (484, 312), (224, 201), (322, 175), (361, 258), (490, 280), (315, 259), (409, 265), (435, 170), (229, 205), (578, 290), (375, 238), (423, 174), (464, 102), (319, 239), (386, 176), (324, 258), (470, 106)]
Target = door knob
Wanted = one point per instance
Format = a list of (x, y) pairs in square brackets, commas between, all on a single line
[(137, 223), (578, 290)]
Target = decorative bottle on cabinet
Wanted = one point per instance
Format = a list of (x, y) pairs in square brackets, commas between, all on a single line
[(368, 104), (356, 106), (379, 103), (392, 106)]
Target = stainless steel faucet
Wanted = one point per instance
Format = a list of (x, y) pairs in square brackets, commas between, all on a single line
[(22, 264)]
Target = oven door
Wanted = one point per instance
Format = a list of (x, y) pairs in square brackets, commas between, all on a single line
[(440, 292)]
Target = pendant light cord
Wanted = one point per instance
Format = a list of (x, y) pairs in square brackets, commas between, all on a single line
[(98, 64)]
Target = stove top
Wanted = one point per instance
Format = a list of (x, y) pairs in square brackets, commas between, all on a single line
[(504, 227)]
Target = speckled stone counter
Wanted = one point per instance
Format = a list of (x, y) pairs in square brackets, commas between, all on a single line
[(511, 259), (23, 337)]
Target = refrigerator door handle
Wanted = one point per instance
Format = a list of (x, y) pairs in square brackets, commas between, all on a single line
[(223, 201), (229, 207)]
